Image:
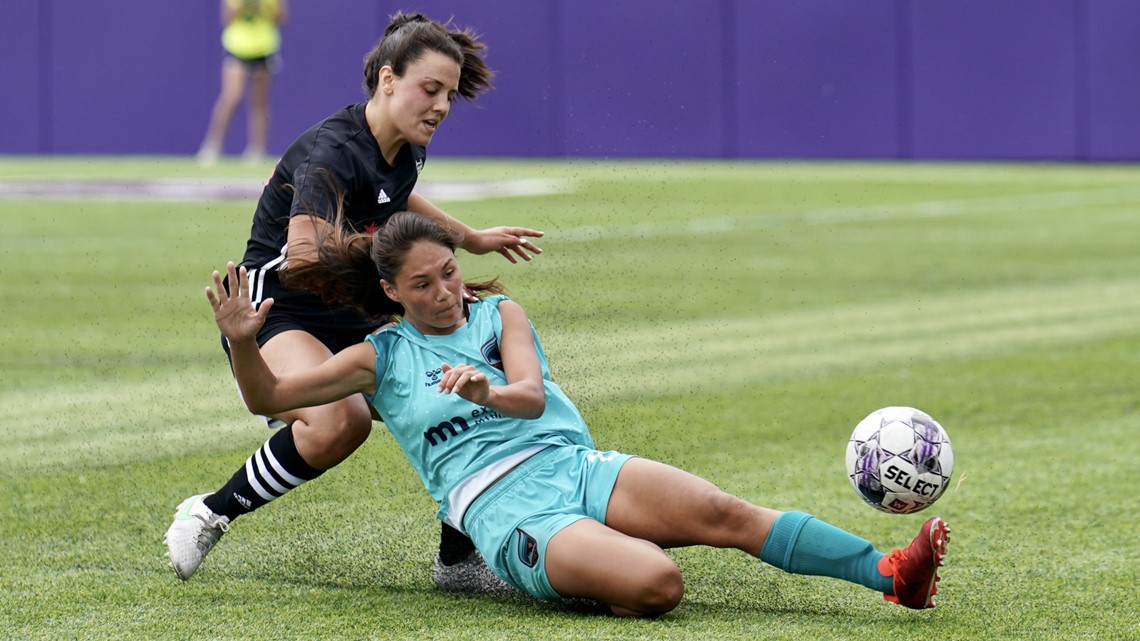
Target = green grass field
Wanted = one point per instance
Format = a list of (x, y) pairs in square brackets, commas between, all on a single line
[(735, 320)]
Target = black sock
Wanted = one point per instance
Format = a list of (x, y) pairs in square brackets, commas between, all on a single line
[(453, 546), (274, 469)]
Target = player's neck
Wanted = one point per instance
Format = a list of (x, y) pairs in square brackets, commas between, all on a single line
[(387, 139)]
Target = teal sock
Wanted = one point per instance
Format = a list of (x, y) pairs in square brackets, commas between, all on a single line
[(801, 544)]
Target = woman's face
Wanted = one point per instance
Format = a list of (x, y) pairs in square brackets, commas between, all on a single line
[(421, 98), (430, 287)]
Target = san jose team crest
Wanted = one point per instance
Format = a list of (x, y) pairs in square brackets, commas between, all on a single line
[(491, 354)]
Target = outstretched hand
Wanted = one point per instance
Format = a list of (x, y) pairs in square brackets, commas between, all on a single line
[(236, 316), (466, 381), (508, 241)]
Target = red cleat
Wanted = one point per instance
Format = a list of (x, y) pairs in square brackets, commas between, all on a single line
[(915, 568)]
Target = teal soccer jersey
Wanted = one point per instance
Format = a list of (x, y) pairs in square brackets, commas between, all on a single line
[(446, 437)]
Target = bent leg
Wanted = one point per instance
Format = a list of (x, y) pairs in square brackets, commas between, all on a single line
[(673, 508), (234, 76), (258, 115), (635, 577), (327, 434), (317, 439)]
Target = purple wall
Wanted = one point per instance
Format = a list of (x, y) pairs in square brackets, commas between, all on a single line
[(954, 79)]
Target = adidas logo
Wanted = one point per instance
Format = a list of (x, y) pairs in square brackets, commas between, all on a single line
[(419, 165), (382, 198), (244, 501)]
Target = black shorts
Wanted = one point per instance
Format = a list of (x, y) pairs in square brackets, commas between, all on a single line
[(263, 64), (337, 328)]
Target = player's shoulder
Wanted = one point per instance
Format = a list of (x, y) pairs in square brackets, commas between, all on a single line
[(328, 138), (384, 340), (491, 304)]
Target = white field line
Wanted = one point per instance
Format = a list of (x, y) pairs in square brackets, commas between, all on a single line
[(218, 189)]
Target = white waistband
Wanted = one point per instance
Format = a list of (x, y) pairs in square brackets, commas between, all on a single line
[(466, 491)]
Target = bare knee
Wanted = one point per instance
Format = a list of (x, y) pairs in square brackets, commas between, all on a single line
[(327, 435), (659, 590), (728, 521)]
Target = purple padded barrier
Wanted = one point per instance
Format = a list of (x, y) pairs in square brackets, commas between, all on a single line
[(960, 79), (816, 78), (642, 79), (21, 92), (995, 79), (323, 51), (519, 117), (1114, 83), (126, 76)]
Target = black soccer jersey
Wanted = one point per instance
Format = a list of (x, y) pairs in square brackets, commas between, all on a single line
[(338, 153)]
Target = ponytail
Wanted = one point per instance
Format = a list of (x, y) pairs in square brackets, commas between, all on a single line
[(347, 266), (340, 270)]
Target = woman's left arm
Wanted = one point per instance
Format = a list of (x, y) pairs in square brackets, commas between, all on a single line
[(504, 240), (524, 395)]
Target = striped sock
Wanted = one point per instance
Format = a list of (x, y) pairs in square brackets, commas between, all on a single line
[(274, 469), (801, 544)]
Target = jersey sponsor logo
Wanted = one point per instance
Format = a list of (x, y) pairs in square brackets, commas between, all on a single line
[(491, 354), (457, 425), (382, 198), (438, 434), (528, 549)]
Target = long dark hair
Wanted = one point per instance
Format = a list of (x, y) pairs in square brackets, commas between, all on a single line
[(347, 266), (408, 36)]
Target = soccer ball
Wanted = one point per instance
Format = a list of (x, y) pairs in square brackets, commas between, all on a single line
[(899, 460)]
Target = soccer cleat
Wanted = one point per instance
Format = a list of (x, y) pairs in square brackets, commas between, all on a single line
[(469, 575), (915, 568), (192, 535)]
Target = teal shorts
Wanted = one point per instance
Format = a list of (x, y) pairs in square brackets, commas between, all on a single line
[(512, 522)]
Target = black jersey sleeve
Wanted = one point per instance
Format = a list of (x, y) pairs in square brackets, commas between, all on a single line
[(316, 188)]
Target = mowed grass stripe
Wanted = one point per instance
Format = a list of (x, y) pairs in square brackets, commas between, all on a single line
[(111, 422), (107, 423), (704, 354), (1018, 204)]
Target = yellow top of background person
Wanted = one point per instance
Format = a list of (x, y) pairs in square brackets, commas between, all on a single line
[(252, 28)]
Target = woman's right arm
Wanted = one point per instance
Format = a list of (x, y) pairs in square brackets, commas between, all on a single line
[(302, 235), (349, 372)]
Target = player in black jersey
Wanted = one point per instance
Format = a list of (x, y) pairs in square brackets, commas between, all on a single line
[(371, 155)]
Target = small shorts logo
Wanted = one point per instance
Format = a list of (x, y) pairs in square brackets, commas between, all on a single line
[(603, 457), (528, 549)]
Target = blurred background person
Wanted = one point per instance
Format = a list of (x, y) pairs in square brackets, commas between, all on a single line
[(251, 38)]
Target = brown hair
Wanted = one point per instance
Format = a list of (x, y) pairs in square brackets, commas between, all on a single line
[(408, 36), (347, 266)]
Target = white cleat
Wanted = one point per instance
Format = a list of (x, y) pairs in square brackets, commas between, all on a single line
[(469, 575), (192, 535)]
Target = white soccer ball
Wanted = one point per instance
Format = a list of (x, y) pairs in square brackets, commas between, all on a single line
[(899, 460)]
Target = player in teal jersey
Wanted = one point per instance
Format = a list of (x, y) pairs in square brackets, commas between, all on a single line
[(465, 390)]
